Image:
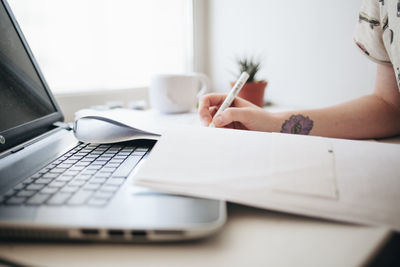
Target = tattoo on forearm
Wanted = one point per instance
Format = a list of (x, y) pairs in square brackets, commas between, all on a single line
[(297, 124)]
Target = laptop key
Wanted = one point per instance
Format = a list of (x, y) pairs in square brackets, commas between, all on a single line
[(59, 198), (112, 165), (34, 187), (91, 187), (57, 170), (37, 199), (16, 200), (83, 177), (108, 188), (99, 162), (51, 166), (57, 161), (70, 161), (19, 186), (104, 158), (44, 170), (10, 193), (43, 181), (142, 149), (82, 164), (56, 184), (114, 160), (77, 168), (69, 189), (71, 173), (138, 153), (92, 167), (64, 165), (63, 178), (77, 158), (90, 171), (80, 153), (108, 155), (115, 181), (49, 190), (118, 157), (80, 197), (91, 156), (97, 180), (50, 175), (102, 175), (25, 193), (36, 175), (127, 166), (108, 169), (76, 183), (28, 181)]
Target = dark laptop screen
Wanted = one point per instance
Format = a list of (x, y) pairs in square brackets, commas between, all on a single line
[(27, 107), (22, 95)]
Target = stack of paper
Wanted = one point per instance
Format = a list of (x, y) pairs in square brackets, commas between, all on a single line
[(353, 181)]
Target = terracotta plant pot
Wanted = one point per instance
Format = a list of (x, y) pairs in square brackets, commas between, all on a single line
[(253, 92)]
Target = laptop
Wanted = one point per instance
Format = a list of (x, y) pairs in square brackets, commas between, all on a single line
[(53, 187)]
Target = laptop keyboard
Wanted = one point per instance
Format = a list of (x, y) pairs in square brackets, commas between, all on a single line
[(88, 174)]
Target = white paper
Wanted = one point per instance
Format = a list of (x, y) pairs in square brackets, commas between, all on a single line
[(303, 165), (124, 124), (149, 120), (245, 158), (359, 182)]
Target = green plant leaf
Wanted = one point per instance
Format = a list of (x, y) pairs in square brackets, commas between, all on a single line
[(249, 65)]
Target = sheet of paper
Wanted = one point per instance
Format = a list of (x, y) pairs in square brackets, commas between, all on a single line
[(149, 120), (119, 125), (244, 158), (101, 130), (303, 165), (364, 186)]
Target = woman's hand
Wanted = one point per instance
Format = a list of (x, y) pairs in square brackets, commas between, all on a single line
[(241, 115)]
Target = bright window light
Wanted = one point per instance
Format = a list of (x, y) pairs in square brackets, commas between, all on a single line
[(84, 45)]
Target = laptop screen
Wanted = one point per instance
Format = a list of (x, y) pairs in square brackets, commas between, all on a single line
[(24, 99)]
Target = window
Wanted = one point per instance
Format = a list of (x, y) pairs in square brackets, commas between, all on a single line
[(106, 44)]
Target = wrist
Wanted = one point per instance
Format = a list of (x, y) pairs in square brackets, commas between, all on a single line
[(273, 122)]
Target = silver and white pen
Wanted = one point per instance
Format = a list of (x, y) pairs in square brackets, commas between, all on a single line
[(232, 94)]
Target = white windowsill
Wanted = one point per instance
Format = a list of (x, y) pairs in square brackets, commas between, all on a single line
[(72, 101)]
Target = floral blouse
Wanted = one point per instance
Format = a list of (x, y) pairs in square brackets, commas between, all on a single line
[(378, 32)]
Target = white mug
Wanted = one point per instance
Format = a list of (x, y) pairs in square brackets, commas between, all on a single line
[(177, 93)]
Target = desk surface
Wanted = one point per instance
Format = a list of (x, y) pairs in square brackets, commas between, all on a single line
[(251, 237)]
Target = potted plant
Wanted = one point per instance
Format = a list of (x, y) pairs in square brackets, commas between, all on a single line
[(254, 89)]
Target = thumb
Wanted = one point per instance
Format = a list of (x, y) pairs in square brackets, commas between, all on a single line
[(242, 115)]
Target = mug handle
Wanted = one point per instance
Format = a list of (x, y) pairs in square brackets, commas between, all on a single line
[(205, 83)]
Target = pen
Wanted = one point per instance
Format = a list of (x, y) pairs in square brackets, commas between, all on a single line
[(232, 94)]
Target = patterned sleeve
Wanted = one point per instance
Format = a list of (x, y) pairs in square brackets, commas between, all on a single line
[(368, 35)]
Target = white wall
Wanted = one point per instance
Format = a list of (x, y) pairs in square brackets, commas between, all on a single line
[(306, 46)]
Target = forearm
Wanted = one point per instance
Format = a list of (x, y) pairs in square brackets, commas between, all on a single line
[(362, 118)]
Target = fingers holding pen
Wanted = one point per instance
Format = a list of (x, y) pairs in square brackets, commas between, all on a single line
[(209, 105), (240, 110), (232, 114)]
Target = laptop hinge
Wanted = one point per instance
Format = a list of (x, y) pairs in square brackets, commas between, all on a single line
[(63, 125)]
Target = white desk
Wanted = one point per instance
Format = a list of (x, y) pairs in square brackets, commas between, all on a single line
[(251, 237)]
